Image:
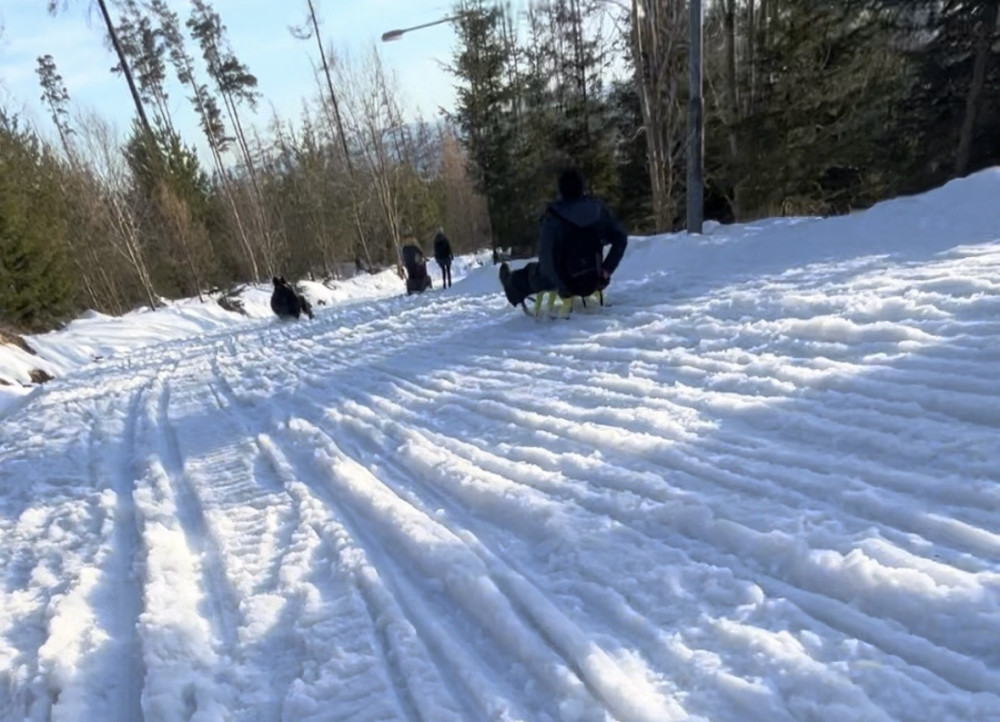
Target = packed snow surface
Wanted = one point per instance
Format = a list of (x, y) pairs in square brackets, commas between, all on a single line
[(760, 485)]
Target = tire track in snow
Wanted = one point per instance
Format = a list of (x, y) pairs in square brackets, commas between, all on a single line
[(828, 606), (299, 574), (280, 529), (369, 435), (676, 663), (90, 613), (124, 568), (896, 480), (818, 421), (254, 544), (728, 481), (963, 672), (427, 630), (185, 642), (225, 617), (789, 459)]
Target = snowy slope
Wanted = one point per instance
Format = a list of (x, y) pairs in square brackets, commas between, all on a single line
[(762, 485)]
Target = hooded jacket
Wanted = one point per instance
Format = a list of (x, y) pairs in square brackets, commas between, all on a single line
[(563, 219)]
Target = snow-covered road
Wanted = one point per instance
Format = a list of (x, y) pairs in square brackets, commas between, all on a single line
[(760, 490)]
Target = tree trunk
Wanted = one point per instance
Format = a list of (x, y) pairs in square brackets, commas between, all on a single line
[(130, 247), (644, 61), (732, 94), (764, 17), (751, 59), (657, 44), (227, 186), (126, 69), (984, 32), (580, 64), (263, 225)]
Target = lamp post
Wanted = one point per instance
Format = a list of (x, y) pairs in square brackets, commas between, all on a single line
[(391, 35)]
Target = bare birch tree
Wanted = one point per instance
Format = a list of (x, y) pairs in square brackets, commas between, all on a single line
[(372, 115), (101, 147), (335, 119), (658, 46)]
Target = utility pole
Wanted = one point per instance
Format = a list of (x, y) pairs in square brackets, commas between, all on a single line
[(696, 120)]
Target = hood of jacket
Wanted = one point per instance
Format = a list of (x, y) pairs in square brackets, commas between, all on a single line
[(580, 212)]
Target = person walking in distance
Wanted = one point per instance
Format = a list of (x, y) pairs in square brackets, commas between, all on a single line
[(443, 256)]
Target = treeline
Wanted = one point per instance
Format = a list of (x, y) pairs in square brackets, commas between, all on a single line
[(810, 106), (92, 220)]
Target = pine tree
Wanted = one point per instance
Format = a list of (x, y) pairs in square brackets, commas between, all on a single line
[(237, 87), (53, 6), (36, 286), (143, 46), (209, 118), (951, 111), (820, 131), (176, 193), (583, 131), (484, 115), (56, 97)]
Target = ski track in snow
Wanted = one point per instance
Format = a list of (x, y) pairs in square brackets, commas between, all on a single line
[(775, 500)]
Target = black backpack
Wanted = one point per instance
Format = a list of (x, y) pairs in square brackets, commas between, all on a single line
[(579, 254)]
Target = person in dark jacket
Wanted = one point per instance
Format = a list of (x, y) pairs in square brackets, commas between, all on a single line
[(573, 220), (286, 302), (443, 256)]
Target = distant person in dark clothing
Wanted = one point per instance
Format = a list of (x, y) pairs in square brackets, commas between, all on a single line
[(571, 259), (286, 302), (443, 256)]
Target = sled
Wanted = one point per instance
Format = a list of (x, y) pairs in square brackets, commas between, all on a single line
[(551, 299)]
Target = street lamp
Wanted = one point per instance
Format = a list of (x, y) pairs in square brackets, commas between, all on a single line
[(390, 35)]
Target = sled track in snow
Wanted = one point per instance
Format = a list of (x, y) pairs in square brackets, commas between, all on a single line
[(826, 610), (395, 595), (698, 470), (126, 561)]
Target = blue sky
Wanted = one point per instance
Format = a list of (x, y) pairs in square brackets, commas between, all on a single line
[(258, 31)]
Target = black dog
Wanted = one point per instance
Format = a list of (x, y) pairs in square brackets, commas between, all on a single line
[(285, 302)]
